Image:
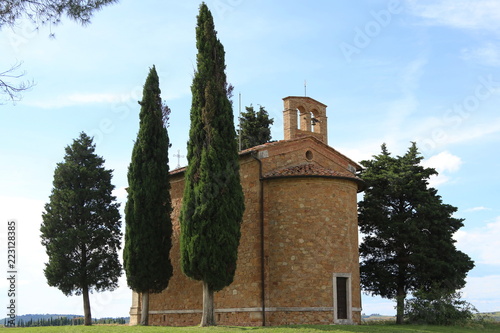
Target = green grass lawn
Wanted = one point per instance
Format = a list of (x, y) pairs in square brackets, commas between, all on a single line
[(489, 327)]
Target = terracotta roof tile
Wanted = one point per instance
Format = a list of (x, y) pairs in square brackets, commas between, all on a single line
[(307, 170), (313, 170)]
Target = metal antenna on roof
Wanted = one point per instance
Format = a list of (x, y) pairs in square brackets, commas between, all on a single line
[(239, 118), (305, 88)]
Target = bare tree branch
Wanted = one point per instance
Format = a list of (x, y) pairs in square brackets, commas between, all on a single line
[(40, 12), (13, 90)]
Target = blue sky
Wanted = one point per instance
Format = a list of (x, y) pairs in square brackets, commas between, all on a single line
[(389, 71)]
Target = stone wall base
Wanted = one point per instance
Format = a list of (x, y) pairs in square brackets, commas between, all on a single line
[(247, 317)]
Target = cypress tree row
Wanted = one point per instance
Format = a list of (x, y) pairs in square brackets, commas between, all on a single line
[(213, 201), (147, 212)]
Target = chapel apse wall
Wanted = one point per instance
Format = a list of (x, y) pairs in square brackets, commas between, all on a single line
[(312, 234)]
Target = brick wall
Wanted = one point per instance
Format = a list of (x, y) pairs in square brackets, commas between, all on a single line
[(310, 228), (311, 233), (297, 114)]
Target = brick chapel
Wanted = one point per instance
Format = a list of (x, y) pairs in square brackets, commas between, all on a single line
[(298, 260)]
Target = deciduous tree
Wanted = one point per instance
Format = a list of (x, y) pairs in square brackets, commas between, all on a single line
[(408, 231), (148, 228), (213, 202), (81, 226)]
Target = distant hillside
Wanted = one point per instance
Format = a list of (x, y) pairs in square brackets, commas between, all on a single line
[(46, 317), (36, 317), (377, 317), (493, 315)]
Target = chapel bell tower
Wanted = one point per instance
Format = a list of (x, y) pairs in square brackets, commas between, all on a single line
[(304, 116)]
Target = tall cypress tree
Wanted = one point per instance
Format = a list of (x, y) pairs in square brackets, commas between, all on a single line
[(81, 226), (147, 212), (213, 202)]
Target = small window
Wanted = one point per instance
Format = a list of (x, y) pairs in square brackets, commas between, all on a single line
[(309, 155)]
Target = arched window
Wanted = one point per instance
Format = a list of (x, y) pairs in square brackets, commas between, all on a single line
[(315, 121)]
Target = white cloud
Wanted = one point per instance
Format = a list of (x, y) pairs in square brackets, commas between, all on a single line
[(475, 132), (360, 150), (444, 163), (120, 194), (488, 54), (462, 14), (477, 209), (480, 243), (483, 292), (436, 133), (81, 99)]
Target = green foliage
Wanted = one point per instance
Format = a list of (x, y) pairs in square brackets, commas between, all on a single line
[(408, 243), (435, 308), (147, 212), (49, 11), (213, 204), (255, 128), (81, 223), (55, 320)]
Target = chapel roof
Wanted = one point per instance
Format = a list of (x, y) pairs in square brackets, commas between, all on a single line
[(274, 143), (313, 170)]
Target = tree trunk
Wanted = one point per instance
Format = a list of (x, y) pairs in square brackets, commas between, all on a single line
[(208, 317), (86, 307), (145, 309), (400, 305)]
